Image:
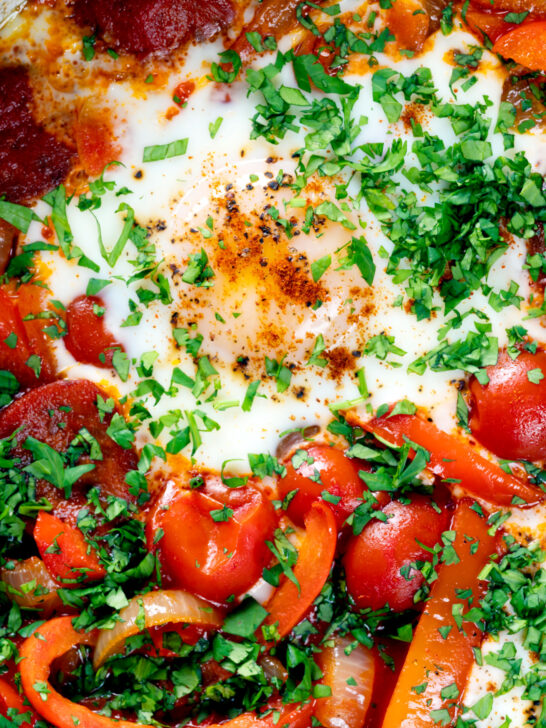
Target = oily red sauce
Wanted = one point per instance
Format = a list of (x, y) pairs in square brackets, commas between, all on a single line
[(145, 26), (32, 161)]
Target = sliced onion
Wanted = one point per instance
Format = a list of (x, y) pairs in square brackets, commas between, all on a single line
[(290, 442), (30, 585), (348, 703), (273, 668), (157, 608)]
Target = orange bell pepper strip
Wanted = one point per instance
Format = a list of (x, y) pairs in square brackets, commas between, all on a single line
[(482, 23), (452, 458), (54, 638), (525, 44), (66, 554), (289, 605), (435, 661), (10, 698)]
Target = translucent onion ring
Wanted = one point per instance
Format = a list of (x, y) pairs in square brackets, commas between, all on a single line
[(25, 572), (351, 679), (158, 608)]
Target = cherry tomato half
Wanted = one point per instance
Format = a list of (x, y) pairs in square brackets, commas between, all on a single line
[(325, 469), (377, 561), (508, 415), (87, 338), (213, 542)]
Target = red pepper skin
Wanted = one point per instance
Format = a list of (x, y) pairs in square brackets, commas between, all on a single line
[(288, 605), (439, 660), (10, 698), (54, 638), (50, 641), (452, 458)]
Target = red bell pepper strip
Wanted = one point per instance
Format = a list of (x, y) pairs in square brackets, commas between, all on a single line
[(437, 660), (54, 638), (288, 605), (452, 458), (526, 45), (292, 715), (10, 698), (50, 641), (67, 556)]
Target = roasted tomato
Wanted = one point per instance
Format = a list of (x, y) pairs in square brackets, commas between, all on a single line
[(213, 541), (378, 562), (87, 338), (508, 415), (323, 468)]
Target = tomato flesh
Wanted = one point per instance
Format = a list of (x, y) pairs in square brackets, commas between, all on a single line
[(375, 558), (508, 415), (88, 339), (215, 558), (338, 475)]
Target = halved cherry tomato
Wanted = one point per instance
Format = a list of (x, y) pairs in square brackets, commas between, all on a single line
[(10, 698), (87, 338), (213, 542), (525, 44), (378, 560), (94, 137), (67, 556), (409, 21), (290, 603), (437, 659), (54, 414), (452, 458), (338, 475), (508, 415)]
